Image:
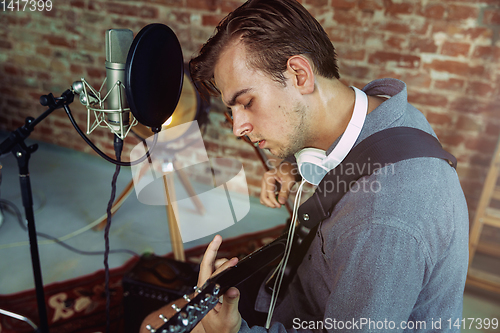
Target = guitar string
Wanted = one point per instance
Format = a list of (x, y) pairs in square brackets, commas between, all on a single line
[(282, 265)]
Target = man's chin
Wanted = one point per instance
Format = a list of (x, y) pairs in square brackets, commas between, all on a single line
[(279, 153), (272, 151)]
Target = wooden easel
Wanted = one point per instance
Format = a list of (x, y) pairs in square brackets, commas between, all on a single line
[(171, 207), (486, 215), (173, 225)]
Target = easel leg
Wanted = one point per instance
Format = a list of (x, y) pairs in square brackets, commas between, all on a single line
[(189, 188), (175, 234)]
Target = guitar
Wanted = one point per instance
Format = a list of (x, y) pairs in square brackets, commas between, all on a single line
[(206, 297)]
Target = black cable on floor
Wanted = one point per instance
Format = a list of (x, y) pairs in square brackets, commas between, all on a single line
[(13, 209)]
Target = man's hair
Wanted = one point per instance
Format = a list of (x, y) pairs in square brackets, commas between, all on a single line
[(272, 32)]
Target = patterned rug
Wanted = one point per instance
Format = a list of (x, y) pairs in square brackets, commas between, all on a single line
[(78, 305)]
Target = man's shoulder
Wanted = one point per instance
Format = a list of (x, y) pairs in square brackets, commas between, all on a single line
[(420, 197)]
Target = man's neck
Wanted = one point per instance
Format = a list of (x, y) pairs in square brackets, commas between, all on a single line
[(334, 105)]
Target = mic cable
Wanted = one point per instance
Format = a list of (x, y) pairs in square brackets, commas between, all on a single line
[(101, 153), (118, 146)]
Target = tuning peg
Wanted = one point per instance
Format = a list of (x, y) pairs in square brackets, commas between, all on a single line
[(176, 308), (197, 289), (217, 289), (162, 317), (186, 298), (151, 329)]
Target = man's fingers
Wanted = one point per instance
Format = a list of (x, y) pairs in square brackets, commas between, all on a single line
[(207, 264), (227, 311), (268, 191), (284, 192), (232, 296), (220, 262), (277, 184), (198, 328), (228, 318), (228, 263), (229, 307)]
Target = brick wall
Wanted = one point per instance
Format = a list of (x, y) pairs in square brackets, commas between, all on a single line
[(447, 51)]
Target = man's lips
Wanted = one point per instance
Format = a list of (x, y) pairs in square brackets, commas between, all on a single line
[(259, 143)]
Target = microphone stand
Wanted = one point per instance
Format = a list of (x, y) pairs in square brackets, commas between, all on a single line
[(15, 144)]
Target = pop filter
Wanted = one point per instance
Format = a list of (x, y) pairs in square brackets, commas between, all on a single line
[(154, 74)]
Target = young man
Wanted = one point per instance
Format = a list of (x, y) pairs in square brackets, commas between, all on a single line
[(392, 257)]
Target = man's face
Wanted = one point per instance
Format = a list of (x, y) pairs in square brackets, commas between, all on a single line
[(265, 110)]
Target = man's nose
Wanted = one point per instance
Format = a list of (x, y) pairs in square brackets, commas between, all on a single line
[(241, 124)]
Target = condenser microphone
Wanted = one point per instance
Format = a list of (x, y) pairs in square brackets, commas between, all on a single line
[(118, 42), (144, 78)]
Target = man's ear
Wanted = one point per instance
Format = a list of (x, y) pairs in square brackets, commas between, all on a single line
[(301, 73)]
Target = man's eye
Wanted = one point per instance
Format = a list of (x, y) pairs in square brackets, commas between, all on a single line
[(246, 106)]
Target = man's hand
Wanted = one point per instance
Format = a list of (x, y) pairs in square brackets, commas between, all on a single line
[(286, 176), (225, 317)]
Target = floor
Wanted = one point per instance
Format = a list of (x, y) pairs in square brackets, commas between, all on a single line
[(71, 190)]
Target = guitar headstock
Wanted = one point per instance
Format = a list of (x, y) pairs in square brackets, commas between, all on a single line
[(187, 317)]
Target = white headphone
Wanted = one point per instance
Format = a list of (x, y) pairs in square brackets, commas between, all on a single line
[(313, 164)]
